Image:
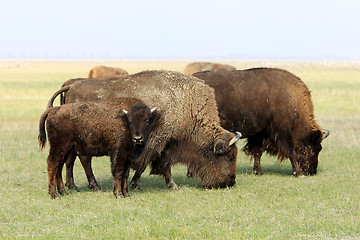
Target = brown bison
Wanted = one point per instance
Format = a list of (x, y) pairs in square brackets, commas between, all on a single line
[(95, 129), (206, 66), (272, 108), (103, 71), (190, 127)]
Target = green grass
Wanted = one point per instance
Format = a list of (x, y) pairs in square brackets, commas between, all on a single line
[(273, 206)]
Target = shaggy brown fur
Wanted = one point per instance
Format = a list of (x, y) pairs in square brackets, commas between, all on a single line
[(95, 129), (103, 71), (206, 66), (272, 108), (190, 118)]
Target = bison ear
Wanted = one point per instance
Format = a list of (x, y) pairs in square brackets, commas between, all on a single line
[(219, 147)]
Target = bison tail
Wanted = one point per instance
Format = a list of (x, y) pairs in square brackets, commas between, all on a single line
[(42, 132), (62, 97)]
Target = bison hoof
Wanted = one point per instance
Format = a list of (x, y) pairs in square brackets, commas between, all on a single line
[(71, 186), (298, 174), (54, 196), (126, 195), (118, 195), (173, 186), (94, 187), (258, 172), (134, 186), (63, 193)]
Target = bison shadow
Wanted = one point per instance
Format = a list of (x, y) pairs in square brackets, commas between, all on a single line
[(148, 183), (270, 167)]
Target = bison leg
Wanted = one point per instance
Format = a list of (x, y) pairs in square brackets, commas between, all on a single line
[(135, 181), (257, 165), (124, 180), (59, 182), (86, 163), (170, 183), (54, 167), (295, 165), (117, 170), (69, 170)]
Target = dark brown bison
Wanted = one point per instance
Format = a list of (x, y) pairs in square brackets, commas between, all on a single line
[(190, 122), (272, 108), (103, 71), (206, 66), (95, 129)]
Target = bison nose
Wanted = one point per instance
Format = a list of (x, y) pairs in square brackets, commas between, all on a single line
[(138, 139)]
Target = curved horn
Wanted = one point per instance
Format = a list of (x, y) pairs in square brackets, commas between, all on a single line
[(235, 139), (325, 133), (152, 110), (126, 112)]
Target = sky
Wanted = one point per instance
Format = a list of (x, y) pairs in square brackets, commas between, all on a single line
[(226, 29)]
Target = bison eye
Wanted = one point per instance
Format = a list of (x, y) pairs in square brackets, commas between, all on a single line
[(147, 121)]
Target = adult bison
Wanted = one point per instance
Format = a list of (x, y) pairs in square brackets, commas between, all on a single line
[(272, 108), (95, 129), (190, 121), (104, 71), (206, 66)]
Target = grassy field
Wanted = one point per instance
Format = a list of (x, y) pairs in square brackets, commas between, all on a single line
[(274, 206)]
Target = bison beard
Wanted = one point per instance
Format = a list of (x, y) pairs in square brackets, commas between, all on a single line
[(95, 129), (272, 108), (189, 118)]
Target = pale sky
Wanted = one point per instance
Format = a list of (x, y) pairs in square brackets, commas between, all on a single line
[(226, 29)]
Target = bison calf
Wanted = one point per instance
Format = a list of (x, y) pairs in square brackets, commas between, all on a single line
[(95, 129)]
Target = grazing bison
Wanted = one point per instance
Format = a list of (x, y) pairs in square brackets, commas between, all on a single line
[(103, 71), (206, 66), (190, 122), (272, 108), (95, 129)]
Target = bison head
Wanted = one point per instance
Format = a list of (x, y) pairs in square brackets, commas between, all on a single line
[(308, 154), (139, 119), (217, 168)]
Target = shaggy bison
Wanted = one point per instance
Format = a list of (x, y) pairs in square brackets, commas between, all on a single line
[(190, 127), (95, 129), (206, 66), (103, 71), (272, 108)]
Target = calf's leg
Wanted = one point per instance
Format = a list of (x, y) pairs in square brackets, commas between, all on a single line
[(86, 163), (69, 170)]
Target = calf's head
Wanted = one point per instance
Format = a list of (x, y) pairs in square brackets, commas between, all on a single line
[(139, 119), (308, 154)]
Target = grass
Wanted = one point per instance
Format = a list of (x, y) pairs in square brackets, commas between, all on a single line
[(273, 206)]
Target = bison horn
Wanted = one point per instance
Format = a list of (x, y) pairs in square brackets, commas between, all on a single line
[(325, 133), (153, 109), (126, 112), (235, 139)]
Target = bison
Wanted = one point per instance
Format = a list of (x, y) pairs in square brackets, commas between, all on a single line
[(103, 71), (95, 129), (191, 125), (272, 108), (206, 66)]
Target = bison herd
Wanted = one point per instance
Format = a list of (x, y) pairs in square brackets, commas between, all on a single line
[(162, 118)]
